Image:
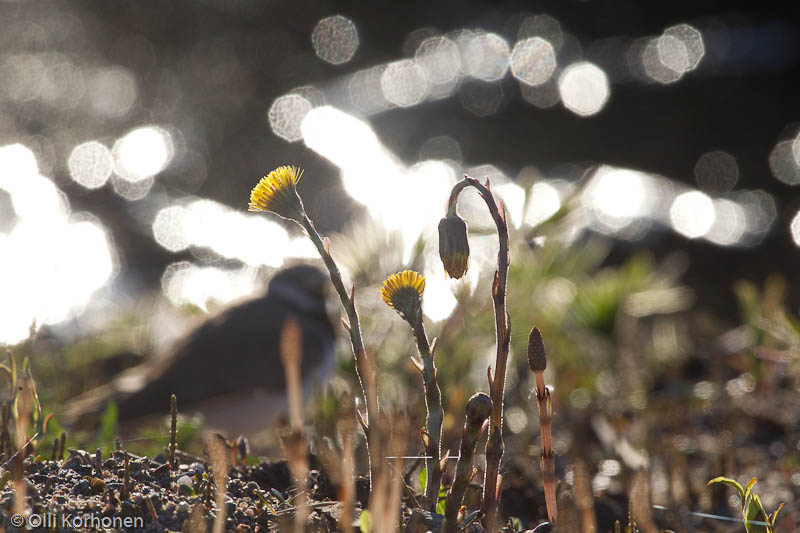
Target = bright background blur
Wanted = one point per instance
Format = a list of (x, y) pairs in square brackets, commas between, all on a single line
[(132, 132)]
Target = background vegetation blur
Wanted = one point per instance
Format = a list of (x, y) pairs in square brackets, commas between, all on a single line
[(646, 155)]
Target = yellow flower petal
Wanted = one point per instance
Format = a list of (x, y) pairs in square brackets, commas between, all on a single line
[(402, 292), (277, 193)]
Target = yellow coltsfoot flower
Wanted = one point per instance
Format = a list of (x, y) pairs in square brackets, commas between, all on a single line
[(403, 293), (277, 193)]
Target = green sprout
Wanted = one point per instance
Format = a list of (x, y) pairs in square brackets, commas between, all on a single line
[(752, 509)]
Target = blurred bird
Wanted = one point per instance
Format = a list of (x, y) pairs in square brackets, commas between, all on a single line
[(229, 368)]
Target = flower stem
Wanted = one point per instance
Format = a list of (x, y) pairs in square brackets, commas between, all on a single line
[(365, 371), (478, 409), (434, 418), (494, 444)]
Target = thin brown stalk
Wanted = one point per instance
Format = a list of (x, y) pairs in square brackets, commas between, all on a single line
[(5, 437), (125, 492), (173, 431), (218, 452), (537, 360), (54, 454), (98, 463), (24, 409), (433, 420), (640, 505), (291, 355), (494, 444), (364, 363), (479, 408), (385, 503), (296, 442), (348, 488), (62, 446), (584, 499)]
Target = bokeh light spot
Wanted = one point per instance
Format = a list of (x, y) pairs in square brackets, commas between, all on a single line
[(617, 196), (286, 114), (131, 190), (543, 202), (685, 57), (168, 228), (335, 39), (542, 96), (439, 57), (716, 171), (584, 88), (692, 214), (142, 153), (783, 164), (486, 56), (730, 223), (533, 61), (674, 53), (112, 92), (441, 147), (90, 164), (404, 83), (185, 283), (543, 26), (794, 228), (50, 271)]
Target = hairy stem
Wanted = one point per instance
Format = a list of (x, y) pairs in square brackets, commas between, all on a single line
[(368, 382), (434, 418), (494, 444), (478, 408)]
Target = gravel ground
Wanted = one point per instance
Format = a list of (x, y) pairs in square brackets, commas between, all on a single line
[(74, 494)]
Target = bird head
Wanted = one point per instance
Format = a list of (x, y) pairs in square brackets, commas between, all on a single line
[(302, 286)]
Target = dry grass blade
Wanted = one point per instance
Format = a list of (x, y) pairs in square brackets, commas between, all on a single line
[(295, 442), (25, 402), (385, 501), (218, 452), (291, 355), (640, 505), (584, 499)]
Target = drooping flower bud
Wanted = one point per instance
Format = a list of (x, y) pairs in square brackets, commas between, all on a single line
[(453, 245)]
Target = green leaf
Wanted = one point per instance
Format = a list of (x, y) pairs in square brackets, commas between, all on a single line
[(7, 370), (774, 516), (442, 500), (365, 521), (733, 483), (423, 479), (13, 369), (755, 513), (37, 407), (749, 488), (108, 423)]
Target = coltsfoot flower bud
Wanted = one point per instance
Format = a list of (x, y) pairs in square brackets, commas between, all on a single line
[(479, 408), (453, 245)]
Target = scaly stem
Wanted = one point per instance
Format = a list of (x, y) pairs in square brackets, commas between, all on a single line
[(494, 444), (478, 409), (547, 463), (369, 386), (434, 418)]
